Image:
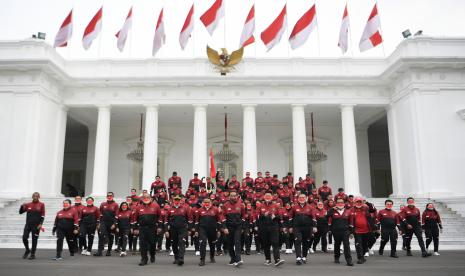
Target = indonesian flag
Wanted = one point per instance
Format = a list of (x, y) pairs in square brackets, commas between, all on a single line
[(212, 165), (93, 29), (371, 36), (65, 32), (159, 38), (272, 35), (212, 16), (344, 32), (303, 28), (187, 28), (122, 35), (249, 28)]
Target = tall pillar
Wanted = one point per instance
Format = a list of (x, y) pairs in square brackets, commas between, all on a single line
[(349, 149), (199, 160), (249, 140), (299, 141), (62, 117), (394, 152), (102, 147), (150, 146)]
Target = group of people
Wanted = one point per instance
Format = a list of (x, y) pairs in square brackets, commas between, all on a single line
[(229, 216)]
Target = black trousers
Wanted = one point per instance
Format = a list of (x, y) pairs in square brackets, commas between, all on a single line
[(432, 235), (178, 237), (246, 240), (234, 242), (321, 235), (361, 244), (342, 237), (389, 234), (147, 241), (303, 241), (105, 236), (409, 235), (207, 234), (269, 236), (123, 236), (87, 231), (132, 241), (31, 229), (63, 233)]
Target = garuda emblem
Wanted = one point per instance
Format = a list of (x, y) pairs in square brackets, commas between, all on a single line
[(224, 62)]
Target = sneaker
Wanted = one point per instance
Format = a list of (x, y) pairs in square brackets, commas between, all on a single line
[(289, 251), (202, 263), (197, 253), (312, 251), (108, 253), (330, 247), (367, 254), (180, 262), (371, 251), (98, 254), (26, 254), (350, 263), (32, 256), (361, 261), (232, 263), (435, 253), (152, 259), (212, 260), (239, 263), (279, 262), (304, 260), (171, 253), (122, 254), (88, 253), (409, 253), (83, 252), (143, 262), (57, 258), (298, 261), (336, 261), (267, 262), (425, 254), (394, 256)]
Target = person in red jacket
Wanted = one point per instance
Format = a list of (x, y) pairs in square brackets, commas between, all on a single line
[(207, 221), (175, 179), (123, 226), (431, 223), (362, 230), (108, 212), (78, 207), (179, 220), (411, 221), (303, 223), (339, 225), (321, 226), (341, 194), (90, 219), (325, 191), (388, 219), (34, 219), (233, 217), (66, 226), (156, 186)]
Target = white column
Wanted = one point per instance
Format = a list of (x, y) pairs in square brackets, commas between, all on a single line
[(299, 141), (394, 152), (249, 140), (62, 117), (199, 160), (102, 147), (150, 146), (349, 149)]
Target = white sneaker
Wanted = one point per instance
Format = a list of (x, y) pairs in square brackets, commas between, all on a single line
[(83, 253), (122, 254), (288, 251), (88, 253), (371, 252), (436, 254), (304, 260), (267, 262), (197, 253), (367, 255), (330, 247), (311, 251), (171, 253)]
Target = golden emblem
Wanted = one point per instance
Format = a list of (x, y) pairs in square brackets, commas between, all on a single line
[(224, 62)]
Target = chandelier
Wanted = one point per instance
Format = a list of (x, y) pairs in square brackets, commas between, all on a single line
[(314, 154), (226, 154), (137, 154)]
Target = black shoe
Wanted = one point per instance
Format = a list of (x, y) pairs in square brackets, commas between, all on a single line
[(212, 260), (381, 252), (71, 253), (175, 262), (325, 250), (152, 259), (404, 248), (247, 252), (143, 262), (98, 254), (278, 262), (108, 253), (298, 262), (409, 253), (336, 261), (361, 261), (394, 255), (202, 263), (32, 257), (425, 254), (180, 262), (350, 263), (26, 253)]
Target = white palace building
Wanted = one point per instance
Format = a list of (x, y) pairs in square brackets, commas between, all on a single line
[(390, 126)]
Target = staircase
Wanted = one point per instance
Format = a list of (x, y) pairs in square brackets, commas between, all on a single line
[(12, 224)]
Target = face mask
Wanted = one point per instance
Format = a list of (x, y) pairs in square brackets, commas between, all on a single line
[(146, 201), (124, 208), (431, 209), (389, 207), (65, 205), (358, 205), (207, 205), (340, 205), (90, 202), (302, 200), (320, 207), (109, 198)]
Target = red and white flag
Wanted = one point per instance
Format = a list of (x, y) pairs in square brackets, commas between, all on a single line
[(272, 35), (371, 36), (303, 28), (344, 32), (65, 32), (249, 28), (122, 35), (159, 38), (187, 28), (93, 29), (213, 15), (212, 165)]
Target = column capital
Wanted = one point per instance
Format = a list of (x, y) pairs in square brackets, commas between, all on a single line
[(248, 105), (151, 106), (347, 105), (200, 105), (298, 105), (103, 106)]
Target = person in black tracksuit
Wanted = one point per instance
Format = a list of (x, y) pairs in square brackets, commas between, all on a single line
[(207, 222), (388, 220), (321, 226), (411, 223), (35, 217), (146, 222), (179, 219), (303, 223), (108, 212), (431, 223), (66, 226), (89, 221), (338, 221), (234, 216), (247, 227), (123, 226)]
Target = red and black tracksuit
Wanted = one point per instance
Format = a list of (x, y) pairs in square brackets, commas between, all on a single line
[(146, 219), (268, 222), (303, 221), (233, 218), (123, 224), (247, 228), (66, 221), (34, 218), (207, 223), (411, 216), (339, 225), (77, 242), (431, 223), (108, 213), (179, 219), (90, 218), (324, 192), (322, 229), (362, 229), (388, 219)]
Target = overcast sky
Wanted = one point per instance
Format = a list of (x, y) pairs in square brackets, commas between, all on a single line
[(21, 18)]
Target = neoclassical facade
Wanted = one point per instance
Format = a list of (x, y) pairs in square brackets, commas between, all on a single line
[(418, 92)]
